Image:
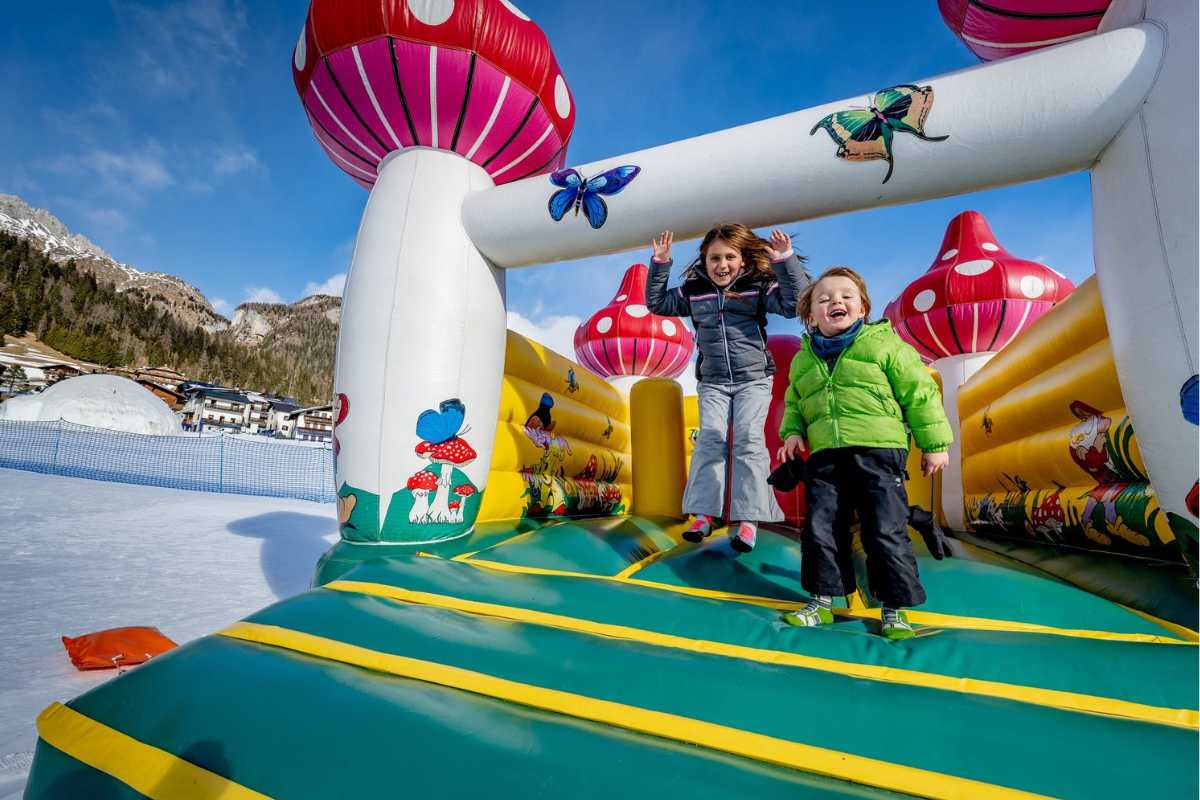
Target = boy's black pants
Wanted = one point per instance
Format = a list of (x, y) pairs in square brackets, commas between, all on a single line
[(869, 480)]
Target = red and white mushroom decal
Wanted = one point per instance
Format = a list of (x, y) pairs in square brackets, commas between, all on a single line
[(474, 77), (450, 454), (624, 338), (463, 491), (421, 484), (976, 297)]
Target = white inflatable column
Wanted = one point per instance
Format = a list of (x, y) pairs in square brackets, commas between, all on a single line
[(1144, 219), (955, 371), (423, 324)]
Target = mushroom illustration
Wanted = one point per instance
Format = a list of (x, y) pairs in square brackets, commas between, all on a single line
[(450, 454), (973, 300), (420, 484), (625, 342), (341, 409), (472, 77), (463, 490)]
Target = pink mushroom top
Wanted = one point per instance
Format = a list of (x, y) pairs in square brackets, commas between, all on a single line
[(976, 297), (475, 77), (624, 338), (1002, 28)]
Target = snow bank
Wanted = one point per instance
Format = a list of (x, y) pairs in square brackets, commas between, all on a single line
[(85, 555), (98, 401)]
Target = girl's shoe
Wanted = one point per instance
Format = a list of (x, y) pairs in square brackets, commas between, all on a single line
[(812, 615), (895, 625), (744, 538), (700, 529)]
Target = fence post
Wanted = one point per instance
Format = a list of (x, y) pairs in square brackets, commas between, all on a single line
[(57, 440), (221, 463)]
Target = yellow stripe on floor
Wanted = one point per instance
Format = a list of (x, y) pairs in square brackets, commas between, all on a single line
[(929, 618), (1052, 698), (755, 746), (145, 768)]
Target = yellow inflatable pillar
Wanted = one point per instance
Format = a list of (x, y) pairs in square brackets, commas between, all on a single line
[(657, 434)]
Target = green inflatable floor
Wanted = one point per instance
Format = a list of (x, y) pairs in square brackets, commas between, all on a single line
[(601, 658)]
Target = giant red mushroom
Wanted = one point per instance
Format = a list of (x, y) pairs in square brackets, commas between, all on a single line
[(972, 301), (624, 342)]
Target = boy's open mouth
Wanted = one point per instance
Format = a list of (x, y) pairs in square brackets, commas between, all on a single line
[(837, 313)]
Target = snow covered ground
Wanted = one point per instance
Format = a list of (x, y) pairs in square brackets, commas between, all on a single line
[(78, 556)]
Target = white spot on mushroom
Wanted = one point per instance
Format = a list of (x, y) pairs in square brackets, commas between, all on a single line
[(977, 266), (949, 254), (431, 12), (668, 327), (604, 325), (301, 56), (1032, 286), (516, 11), (991, 247), (621, 298), (637, 310), (924, 300), (562, 98)]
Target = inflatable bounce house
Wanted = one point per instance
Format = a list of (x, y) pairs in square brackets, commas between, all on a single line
[(512, 611)]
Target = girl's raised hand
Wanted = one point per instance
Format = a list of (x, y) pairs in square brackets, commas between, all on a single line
[(781, 243), (662, 247)]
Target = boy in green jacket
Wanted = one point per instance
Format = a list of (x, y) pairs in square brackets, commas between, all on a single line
[(853, 388)]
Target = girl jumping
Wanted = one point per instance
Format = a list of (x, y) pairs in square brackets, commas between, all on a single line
[(728, 291)]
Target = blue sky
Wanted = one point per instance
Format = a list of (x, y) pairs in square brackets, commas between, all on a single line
[(171, 135)]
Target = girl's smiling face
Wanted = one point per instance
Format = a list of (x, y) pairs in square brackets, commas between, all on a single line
[(722, 263), (836, 305)]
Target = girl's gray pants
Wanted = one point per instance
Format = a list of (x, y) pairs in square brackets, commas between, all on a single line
[(739, 411)]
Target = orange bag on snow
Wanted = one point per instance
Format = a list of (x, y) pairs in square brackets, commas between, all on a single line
[(116, 647)]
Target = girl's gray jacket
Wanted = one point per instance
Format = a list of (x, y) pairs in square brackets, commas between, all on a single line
[(730, 325)]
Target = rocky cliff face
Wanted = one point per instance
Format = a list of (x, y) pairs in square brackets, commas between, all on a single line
[(168, 293)]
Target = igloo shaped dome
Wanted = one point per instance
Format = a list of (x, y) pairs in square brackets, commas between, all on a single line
[(98, 401)]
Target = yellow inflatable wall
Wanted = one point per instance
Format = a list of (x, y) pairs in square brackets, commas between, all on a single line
[(1048, 450), (562, 442)]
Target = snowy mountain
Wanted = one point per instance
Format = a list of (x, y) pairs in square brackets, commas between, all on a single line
[(314, 317), (178, 298)]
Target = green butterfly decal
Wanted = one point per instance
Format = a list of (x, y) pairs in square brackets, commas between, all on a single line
[(867, 135)]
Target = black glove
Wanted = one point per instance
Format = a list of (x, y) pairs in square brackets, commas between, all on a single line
[(922, 522), (788, 475)]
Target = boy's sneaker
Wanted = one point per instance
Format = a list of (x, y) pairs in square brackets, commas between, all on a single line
[(744, 538), (699, 530), (817, 612), (895, 624)]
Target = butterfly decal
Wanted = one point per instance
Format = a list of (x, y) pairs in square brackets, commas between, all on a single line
[(867, 135), (579, 192), (441, 425)]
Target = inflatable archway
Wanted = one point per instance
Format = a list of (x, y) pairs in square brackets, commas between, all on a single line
[(512, 608)]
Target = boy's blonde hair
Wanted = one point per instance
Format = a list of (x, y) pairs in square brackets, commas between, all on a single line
[(804, 306)]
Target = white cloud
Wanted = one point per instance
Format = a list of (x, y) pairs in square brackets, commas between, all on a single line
[(109, 219), (129, 172), (222, 307), (262, 294), (555, 332), (236, 159), (334, 285)]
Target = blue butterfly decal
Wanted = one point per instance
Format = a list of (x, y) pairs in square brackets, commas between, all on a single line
[(444, 424), (578, 191)]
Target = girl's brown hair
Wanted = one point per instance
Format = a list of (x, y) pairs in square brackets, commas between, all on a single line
[(756, 251), (804, 307)]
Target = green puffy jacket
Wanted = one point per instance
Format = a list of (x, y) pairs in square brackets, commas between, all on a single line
[(878, 386)]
